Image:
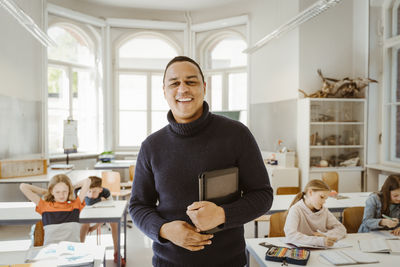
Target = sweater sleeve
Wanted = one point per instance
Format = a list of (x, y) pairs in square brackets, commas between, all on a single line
[(296, 237), (370, 219), (335, 228), (253, 181), (144, 197)]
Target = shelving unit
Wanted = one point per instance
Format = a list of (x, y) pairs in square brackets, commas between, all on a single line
[(331, 131)]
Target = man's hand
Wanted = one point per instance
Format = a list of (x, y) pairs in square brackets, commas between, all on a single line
[(205, 215), (184, 235)]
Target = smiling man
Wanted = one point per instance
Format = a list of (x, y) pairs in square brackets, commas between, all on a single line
[(164, 201)]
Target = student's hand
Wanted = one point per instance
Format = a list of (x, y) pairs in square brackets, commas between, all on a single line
[(389, 223), (329, 241), (205, 215), (184, 235), (103, 199), (396, 231), (318, 234)]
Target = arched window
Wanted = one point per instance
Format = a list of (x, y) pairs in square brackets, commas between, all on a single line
[(226, 73), (71, 87), (142, 109)]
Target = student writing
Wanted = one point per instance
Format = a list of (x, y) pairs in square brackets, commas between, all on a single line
[(95, 194), (310, 223), (385, 202), (59, 208)]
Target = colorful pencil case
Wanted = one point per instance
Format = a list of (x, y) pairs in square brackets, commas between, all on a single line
[(297, 256)]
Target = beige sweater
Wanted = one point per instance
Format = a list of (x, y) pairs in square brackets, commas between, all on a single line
[(301, 223)]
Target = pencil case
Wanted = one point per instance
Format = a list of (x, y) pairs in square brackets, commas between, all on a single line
[(297, 256)]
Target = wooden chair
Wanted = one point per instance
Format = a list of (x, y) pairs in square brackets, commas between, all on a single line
[(277, 223), (287, 190), (332, 180), (131, 176), (112, 181), (279, 191), (352, 218), (38, 234)]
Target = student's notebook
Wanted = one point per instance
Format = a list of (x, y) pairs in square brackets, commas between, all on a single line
[(219, 187), (380, 245), (346, 257)]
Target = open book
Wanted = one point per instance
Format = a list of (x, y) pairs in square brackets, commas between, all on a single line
[(380, 245), (346, 257), (65, 253), (102, 204), (338, 244)]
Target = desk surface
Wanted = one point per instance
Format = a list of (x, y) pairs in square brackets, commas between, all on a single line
[(258, 252), (115, 164), (282, 202), (24, 213), (74, 175), (19, 256)]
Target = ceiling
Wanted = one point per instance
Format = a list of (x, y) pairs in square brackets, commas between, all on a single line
[(182, 5)]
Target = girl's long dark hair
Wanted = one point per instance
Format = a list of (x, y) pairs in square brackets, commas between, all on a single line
[(391, 183)]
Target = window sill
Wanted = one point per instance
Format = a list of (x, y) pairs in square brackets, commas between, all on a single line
[(73, 156)]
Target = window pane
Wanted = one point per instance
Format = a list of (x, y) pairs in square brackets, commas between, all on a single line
[(216, 92), (71, 46), (132, 92), (56, 119), (237, 91), (158, 101), (398, 132), (146, 52), (228, 53), (85, 110), (58, 88), (158, 120), (132, 128)]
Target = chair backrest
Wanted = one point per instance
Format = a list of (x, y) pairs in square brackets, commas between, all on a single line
[(38, 234), (331, 179), (277, 223), (111, 181), (352, 218), (287, 190), (131, 172)]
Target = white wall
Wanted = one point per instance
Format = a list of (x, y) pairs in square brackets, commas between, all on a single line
[(20, 54), (21, 74)]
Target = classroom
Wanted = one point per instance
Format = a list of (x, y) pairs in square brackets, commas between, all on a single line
[(294, 91)]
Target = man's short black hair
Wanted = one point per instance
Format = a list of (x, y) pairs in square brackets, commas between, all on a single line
[(183, 59)]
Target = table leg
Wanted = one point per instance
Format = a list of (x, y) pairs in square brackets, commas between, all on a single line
[(119, 244), (255, 229)]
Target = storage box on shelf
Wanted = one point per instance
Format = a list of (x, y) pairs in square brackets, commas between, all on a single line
[(331, 138)]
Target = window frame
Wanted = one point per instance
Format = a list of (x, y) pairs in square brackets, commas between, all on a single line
[(69, 68), (205, 51), (148, 72)]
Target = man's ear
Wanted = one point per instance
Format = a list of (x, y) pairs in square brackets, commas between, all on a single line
[(163, 88), (204, 88)]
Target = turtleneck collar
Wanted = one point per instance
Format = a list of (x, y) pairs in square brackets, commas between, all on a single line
[(191, 128)]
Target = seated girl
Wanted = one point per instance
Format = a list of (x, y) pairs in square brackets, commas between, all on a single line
[(59, 209), (385, 202), (308, 222)]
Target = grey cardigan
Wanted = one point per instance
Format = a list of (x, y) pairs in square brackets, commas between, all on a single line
[(372, 214)]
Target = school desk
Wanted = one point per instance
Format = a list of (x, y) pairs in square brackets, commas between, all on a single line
[(17, 257), (12, 213), (114, 164), (74, 175), (282, 203), (258, 252)]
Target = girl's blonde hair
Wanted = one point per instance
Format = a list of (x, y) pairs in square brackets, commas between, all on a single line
[(59, 178), (315, 185)]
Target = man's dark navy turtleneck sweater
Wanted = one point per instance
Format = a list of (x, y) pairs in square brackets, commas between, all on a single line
[(166, 182)]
